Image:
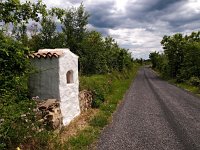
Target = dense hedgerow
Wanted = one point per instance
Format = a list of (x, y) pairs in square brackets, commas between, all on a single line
[(181, 58)]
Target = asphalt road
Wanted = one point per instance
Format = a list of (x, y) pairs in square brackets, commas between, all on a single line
[(154, 115)]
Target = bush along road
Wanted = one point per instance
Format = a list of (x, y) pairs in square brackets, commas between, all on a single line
[(154, 115)]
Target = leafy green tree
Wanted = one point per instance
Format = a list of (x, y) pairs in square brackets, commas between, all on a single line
[(112, 53), (124, 60), (19, 33), (191, 64), (100, 55), (48, 36), (74, 27), (181, 58), (154, 59), (48, 33), (13, 11), (174, 50), (92, 60)]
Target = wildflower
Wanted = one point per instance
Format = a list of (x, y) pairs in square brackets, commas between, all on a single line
[(18, 148)]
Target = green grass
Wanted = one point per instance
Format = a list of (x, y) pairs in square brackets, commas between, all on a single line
[(83, 139), (189, 87), (185, 85), (113, 86)]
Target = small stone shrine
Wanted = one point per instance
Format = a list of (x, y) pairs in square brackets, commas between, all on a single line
[(56, 77)]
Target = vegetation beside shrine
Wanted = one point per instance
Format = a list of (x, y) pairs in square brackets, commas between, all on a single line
[(112, 88), (27, 27)]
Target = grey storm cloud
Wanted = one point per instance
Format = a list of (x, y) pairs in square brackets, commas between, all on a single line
[(75, 1), (139, 25), (139, 13), (102, 16), (157, 17), (163, 4)]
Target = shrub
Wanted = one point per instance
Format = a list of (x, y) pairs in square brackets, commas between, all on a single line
[(194, 81), (98, 98), (18, 123), (100, 85), (16, 110)]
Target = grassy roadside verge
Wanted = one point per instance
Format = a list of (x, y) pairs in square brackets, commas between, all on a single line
[(113, 87), (184, 85)]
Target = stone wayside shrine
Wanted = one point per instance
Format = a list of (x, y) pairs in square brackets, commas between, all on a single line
[(56, 77)]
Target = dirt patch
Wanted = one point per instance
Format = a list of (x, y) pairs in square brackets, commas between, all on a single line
[(78, 124)]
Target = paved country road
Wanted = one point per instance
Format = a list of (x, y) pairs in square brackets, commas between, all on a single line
[(154, 115)]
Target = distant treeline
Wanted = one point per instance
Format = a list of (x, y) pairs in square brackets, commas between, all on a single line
[(181, 58), (66, 28)]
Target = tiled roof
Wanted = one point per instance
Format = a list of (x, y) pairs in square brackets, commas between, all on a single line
[(44, 53)]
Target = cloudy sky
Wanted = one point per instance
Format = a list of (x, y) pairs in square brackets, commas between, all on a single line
[(138, 25)]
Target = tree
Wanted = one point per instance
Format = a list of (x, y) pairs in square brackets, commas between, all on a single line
[(48, 36), (191, 63), (174, 50), (12, 11), (48, 33), (181, 58), (74, 26), (92, 60), (154, 59)]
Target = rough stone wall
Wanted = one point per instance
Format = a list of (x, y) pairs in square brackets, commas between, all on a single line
[(85, 100), (49, 114)]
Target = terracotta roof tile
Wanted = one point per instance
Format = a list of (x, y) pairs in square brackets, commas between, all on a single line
[(44, 53)]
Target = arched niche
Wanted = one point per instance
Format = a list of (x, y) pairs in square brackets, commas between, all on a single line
[(69, 77)]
